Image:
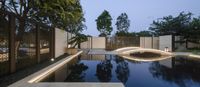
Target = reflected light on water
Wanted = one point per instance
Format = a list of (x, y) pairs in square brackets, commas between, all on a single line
[(146, 59)]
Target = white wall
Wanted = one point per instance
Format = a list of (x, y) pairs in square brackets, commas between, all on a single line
[(60, 42), (94, 43), (155, 42), (193, 45), (149, 42), (165, 41), (98, 42), (142, 42), (86, 44)]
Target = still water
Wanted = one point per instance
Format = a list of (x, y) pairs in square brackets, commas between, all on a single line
[(173, 72)]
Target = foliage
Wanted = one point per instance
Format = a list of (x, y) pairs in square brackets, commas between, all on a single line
[(126, 34), (170, 25), (144, 34), (181, 25), (60, 13), (133, 34), (76, 40), (123, 23), (104, 24), (193, 32), (55, 13), (51, 13)]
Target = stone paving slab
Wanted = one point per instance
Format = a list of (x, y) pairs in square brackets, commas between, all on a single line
[(85, 84), (100, 52)]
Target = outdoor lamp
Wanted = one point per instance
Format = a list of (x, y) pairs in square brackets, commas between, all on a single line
[(52, 59), (166, 49), (69, 45)]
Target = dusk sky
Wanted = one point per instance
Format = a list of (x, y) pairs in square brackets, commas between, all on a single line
[(140, 12)]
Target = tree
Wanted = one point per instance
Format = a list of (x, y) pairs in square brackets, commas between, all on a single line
[(54, 13), (181, 25), (193, 32), (78, 39), (104, 24), (170, 25), (123, 24)]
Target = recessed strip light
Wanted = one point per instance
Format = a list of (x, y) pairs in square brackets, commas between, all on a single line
[(53, 69), (193, 55)]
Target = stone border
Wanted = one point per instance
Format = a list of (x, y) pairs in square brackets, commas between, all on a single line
[(38, 76)]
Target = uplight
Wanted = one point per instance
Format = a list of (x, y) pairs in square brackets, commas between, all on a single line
[(52, 59)]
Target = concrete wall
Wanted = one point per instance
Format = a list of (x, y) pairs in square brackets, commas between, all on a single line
[(193, 45), (61, 41), (155, 42), (86, 44), (98, 42), (94, 43), (149, 42), (165, 41)]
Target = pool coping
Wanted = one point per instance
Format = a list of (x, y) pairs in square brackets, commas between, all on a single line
[(34, 79)]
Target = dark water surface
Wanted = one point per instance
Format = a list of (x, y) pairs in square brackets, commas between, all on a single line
[(174, 72)]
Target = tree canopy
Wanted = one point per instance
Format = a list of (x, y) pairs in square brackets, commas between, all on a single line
[(104, 24), (63, 14), (55, 13), (182, 25), (170, 25), (144, 33), (123, 23)]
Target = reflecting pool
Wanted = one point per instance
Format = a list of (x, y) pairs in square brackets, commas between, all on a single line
[(171, 72)]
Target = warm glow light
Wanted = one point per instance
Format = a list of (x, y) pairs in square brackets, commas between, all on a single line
[(53, 69), (146, 59), (69, 45), (52, 59), (147, 50), (126, 48), (166, 49), (195, 56)]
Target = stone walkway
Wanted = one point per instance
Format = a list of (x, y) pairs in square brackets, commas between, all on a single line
[(100, 52)]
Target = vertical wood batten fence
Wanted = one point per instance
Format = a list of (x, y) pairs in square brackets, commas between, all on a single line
[(36, 46)]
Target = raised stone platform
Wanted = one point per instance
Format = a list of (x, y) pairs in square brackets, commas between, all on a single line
[(85, 84)]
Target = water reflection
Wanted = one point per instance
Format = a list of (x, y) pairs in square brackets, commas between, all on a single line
[(172, 72), (104, 70), (122, 70), (77, 73), (183, 71)]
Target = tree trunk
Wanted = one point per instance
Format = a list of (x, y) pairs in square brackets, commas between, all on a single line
[(19, 35), (186, 44), (17, 45)]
